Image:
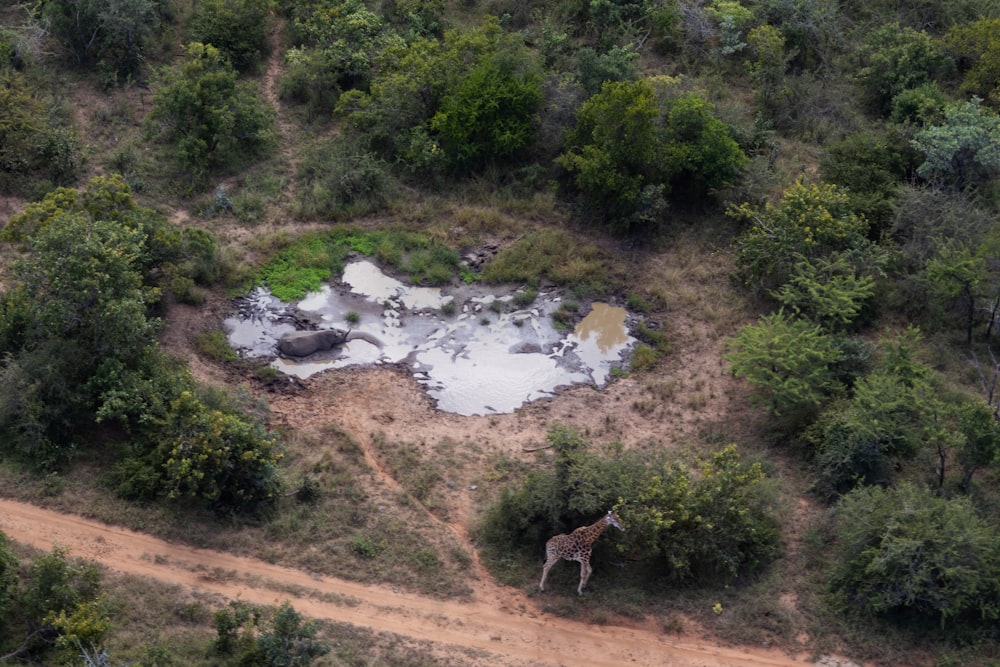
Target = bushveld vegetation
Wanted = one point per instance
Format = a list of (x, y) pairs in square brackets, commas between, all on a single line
[(845, 155)]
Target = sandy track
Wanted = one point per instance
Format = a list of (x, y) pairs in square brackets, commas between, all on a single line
[(514, 636)]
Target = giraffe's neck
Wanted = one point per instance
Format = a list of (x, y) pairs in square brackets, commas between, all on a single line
[(594, 530)]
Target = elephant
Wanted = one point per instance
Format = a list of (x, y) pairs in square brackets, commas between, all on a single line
[(304, 343)]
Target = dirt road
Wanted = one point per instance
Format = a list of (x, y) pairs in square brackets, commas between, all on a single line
[(516, 634)]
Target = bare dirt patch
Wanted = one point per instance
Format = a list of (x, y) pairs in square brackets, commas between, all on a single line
[(507, 630)]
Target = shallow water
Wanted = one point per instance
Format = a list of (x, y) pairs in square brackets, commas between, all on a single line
[(483, 358)]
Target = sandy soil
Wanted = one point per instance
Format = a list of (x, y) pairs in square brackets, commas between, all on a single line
[(513, 632)]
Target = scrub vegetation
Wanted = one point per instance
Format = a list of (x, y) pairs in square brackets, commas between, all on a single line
[(821, 179)]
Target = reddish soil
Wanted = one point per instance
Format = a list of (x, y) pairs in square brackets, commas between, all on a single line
[(507, 627)]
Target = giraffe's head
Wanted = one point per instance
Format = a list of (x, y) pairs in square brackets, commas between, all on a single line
[(612, 520)]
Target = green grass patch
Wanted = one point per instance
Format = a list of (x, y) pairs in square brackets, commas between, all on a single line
[(308, 263), (213, 345), (553, 254)]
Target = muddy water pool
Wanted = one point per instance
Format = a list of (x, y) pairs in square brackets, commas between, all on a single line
[(474, 351)]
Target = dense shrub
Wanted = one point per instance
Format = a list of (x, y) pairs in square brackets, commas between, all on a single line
[(339, 180), (638, 144), (36, 150), (788, 360), (870, 167), (977, 46), (711, 523), (438, 106), (213, 120), (111, 33), (810, 221), (238, 28), (907, 554), (963, 150), (895, 59)]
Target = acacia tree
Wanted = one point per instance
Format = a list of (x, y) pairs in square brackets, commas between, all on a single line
[(788, 360), (811, 221)]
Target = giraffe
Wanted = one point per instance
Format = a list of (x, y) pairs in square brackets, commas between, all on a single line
[(576, 546)]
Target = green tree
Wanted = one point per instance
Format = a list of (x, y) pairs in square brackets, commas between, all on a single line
[(811, 221), (977, 46), (635, 144), (954, 274), (789, 361), (217, 459), (963, 150), (905, 551), (897, 58), (213, 120), (435, 106), (980, 446), (111, 33), (238, 28), (490, 114), (827, 291), (35, 151), (869, 168), (336, 44), (251, 635)]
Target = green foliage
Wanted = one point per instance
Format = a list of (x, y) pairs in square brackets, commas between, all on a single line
[(963, 150), (906, 553), (251, 635), (550, 254), (340, 180), (111, 33), (980, 445), (977, 46), (238, 28), (219, 460), (635, 144), (826, 291), (490, 113), (954, 274), (54, 603), (712, 524), (336, 42), (788, 360), (595, 69), (869, 167), (35, 151), (469, 99), (896, 59), (213, 120), (893, 413), (810, 221)]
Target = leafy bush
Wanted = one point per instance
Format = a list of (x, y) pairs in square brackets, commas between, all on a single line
[(490, 113), (250, 635), (977, 45), (213, 120), (111, 33), (339, 180), (826, 291), (336, 41), (635, 145), (963, 150), (238, 28), (906, 553), (788, 360), (36, 151), (870, 167), (714, 523), (897, 59), (467, 100), (810, 221)]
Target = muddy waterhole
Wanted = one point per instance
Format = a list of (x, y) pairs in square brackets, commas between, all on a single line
[(473, 349)]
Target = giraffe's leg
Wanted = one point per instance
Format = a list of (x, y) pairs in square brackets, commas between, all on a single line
[(545, 571), (585, 571)]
